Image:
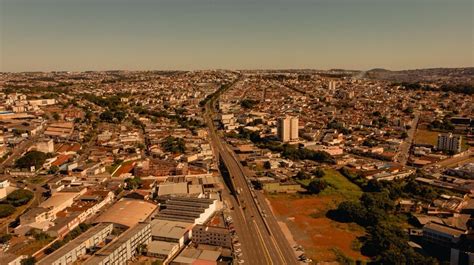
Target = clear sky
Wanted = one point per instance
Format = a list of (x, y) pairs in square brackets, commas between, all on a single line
[(77, 35)]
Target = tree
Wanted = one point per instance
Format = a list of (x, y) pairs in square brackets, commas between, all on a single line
[(28, 261), (317, 185), (5, 238), (133, 183), (20, 197), (30, 159), (107, 116), (404, 135), (120, 115), (56, 116), (53, 169), (248, 103), (174, 145), (319, 173), (6, 210), (302, 175)]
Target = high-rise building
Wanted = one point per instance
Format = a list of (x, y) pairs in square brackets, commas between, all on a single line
[(332, 85), (287, 129), (449, 142)]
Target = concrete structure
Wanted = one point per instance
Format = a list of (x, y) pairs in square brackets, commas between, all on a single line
[(287, 129), (209, 235), (76, 248), (449, 142), (171, 231), (441, 234), (5, 188), (123, 248), (189, 210), (46, 146), (127, 212)]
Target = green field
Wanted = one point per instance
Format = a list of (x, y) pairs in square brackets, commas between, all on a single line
[(337, 185)]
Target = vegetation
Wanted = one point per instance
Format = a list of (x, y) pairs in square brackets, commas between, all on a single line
[(6, 210), (28, 261), (20, 197), (248, 103), (386, 242), (39, 235), (70, 236), (173, 145), (30, 159), (133, 183), (316, 186), (5, 238), (456, 88)]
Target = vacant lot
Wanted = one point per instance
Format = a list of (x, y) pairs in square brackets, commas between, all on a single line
[(423, 136), (305, 215)]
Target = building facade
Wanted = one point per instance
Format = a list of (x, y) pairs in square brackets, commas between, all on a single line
[(449, 142), (287, 129)]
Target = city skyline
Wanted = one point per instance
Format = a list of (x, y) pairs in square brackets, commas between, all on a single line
[(71, 35)]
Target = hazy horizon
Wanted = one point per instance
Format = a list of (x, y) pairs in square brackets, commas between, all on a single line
[(101, 35)]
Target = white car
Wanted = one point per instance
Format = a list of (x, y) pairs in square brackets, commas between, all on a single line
[(241, 261)]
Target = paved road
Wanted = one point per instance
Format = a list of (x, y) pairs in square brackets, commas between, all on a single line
[(262, 241), (404, 150)]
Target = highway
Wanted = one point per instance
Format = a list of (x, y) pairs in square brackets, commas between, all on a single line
[(262, 241)]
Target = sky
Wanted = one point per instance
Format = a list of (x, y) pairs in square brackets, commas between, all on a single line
[(79, 35)]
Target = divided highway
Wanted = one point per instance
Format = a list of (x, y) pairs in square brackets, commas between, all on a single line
[(262, 241)]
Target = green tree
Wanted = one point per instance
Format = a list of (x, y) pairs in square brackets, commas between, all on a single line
[(28, 261), (107, 116), (133, 183), (31, 158), (317, 185), (20, 197), (318, 173), (6, 210)]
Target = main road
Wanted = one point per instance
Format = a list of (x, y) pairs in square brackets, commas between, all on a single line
[(262, 241)]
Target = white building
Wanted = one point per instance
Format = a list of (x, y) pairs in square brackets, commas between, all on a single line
[(46, 146), (287, 129), (449, 142)]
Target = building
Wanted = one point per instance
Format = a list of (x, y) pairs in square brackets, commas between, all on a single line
[(46, 146), (127, 212), (209, 235), (171, 231), (449, 143), (441, 234), (332, 85), (287, 129), (78, 247), (189, 210), (123, 248), (5, 188)]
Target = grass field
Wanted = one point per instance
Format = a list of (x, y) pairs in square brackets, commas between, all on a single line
[(337, 185), (323, 239), (423, 136)]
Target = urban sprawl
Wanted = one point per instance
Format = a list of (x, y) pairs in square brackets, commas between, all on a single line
[(237, 167)]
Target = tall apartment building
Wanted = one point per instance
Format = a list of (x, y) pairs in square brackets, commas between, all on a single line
[(449, 142), (287, 129), (332, 85)]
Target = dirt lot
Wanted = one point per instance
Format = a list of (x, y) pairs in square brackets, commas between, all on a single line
[(305, 215), (321, 237)]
